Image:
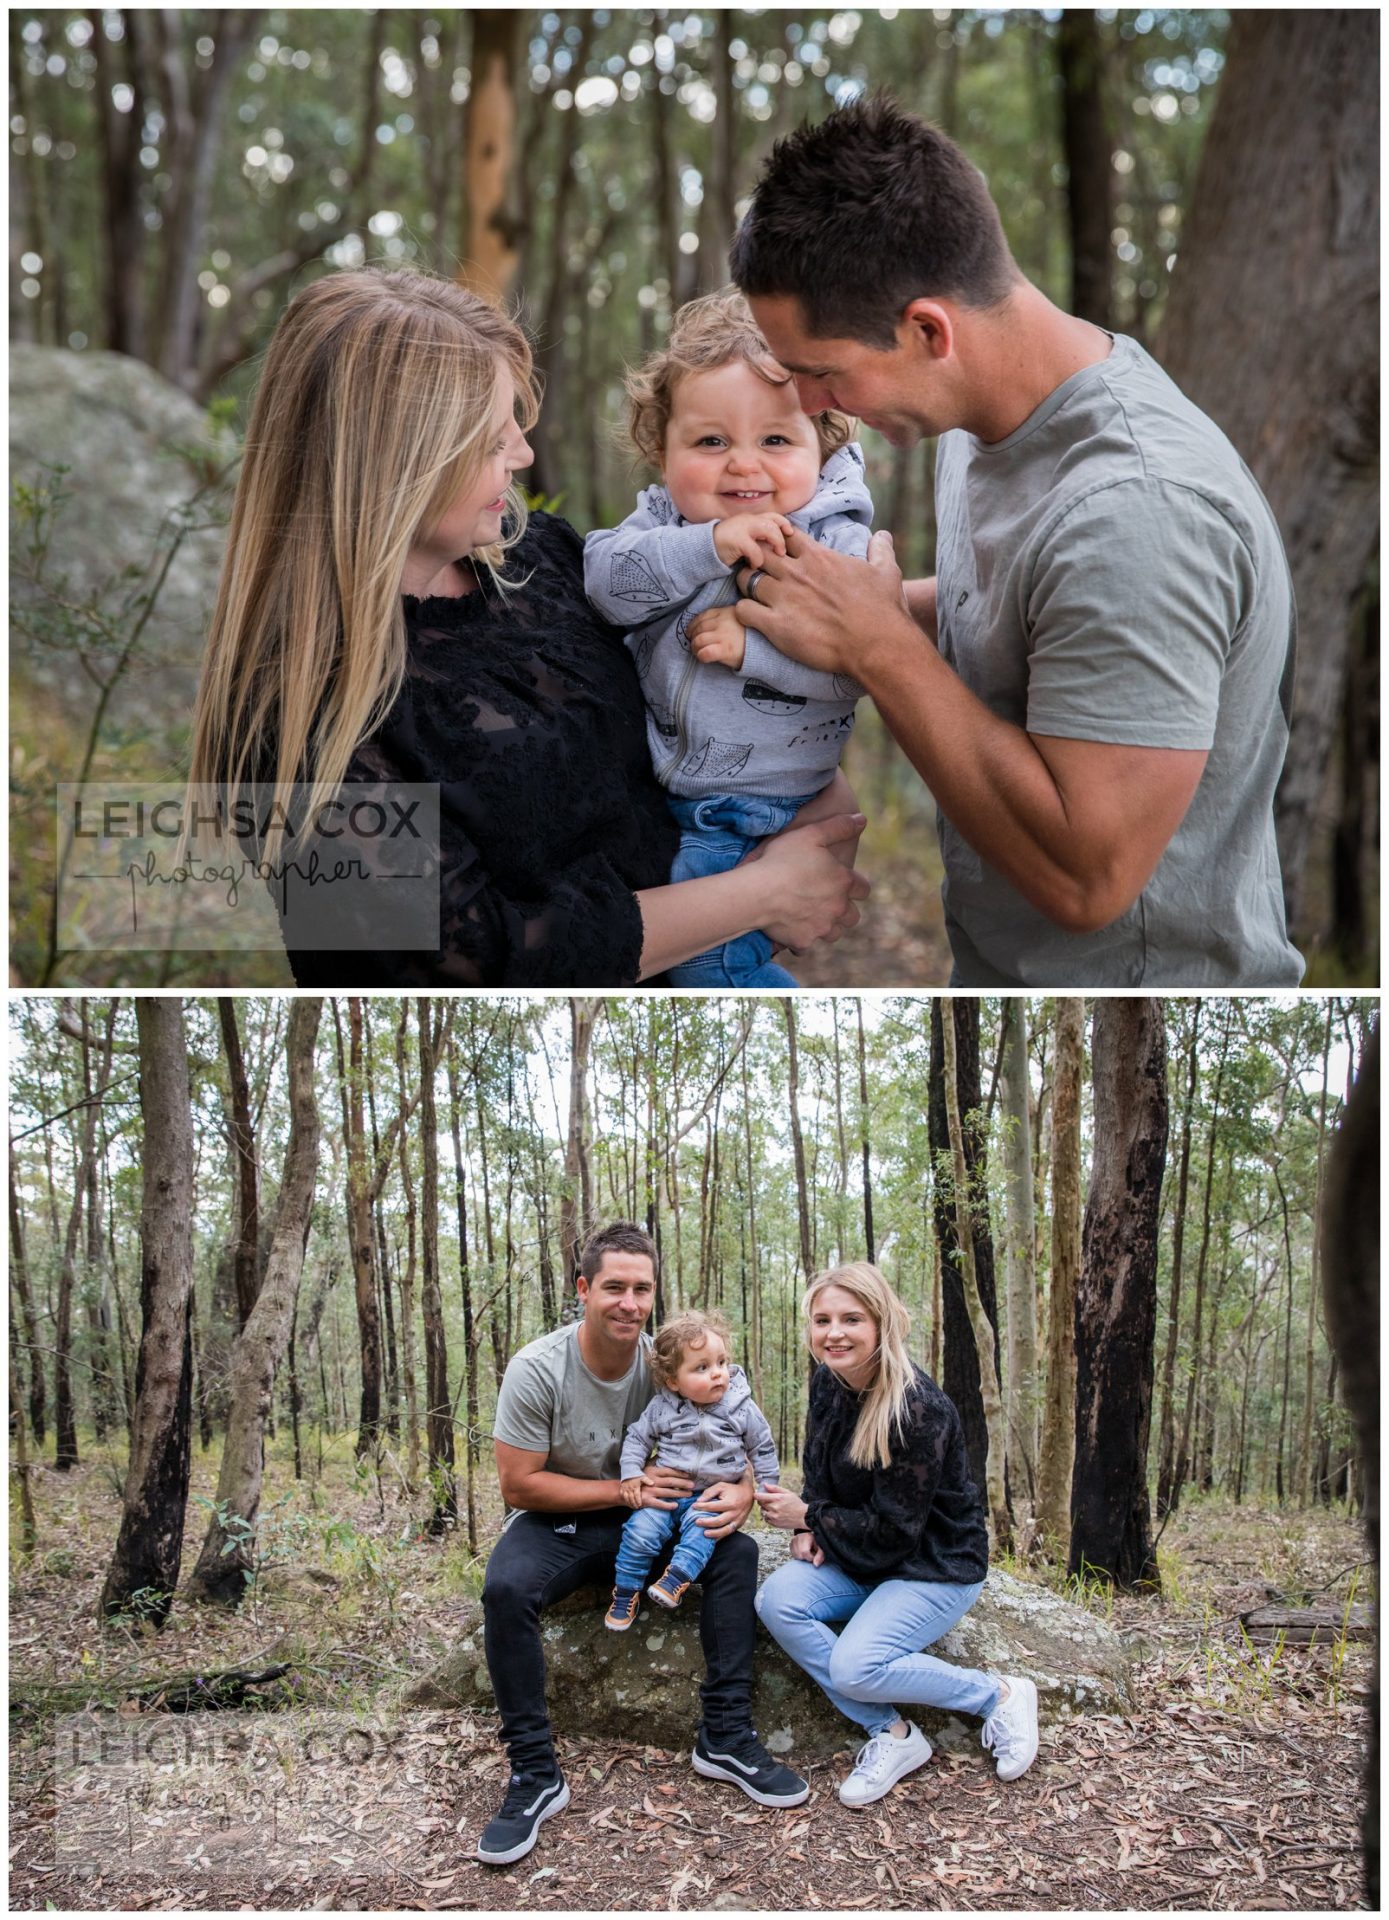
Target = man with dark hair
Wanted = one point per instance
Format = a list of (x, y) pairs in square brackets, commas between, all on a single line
[(565, 1404), (1096, 683)]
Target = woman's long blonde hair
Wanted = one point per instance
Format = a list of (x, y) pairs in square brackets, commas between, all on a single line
[(373, 414), (883, 1410)]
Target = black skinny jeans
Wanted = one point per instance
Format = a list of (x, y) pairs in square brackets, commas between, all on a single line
[(533, 1565)]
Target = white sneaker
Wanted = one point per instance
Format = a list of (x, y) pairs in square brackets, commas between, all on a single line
[(882, 1763), (1011, 1729)]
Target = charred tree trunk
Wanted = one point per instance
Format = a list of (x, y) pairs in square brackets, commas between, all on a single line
[(144, 1568), (1088, 149), (227, 1559), (1116, 1300), (1281, 246), (1019, 1256), (246, 1257), (985, 1334), (960, 1356), (1167, 1433), (1350, 1268), (1059, 1411)]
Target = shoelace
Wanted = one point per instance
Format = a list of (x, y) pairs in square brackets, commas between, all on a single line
[(872, 1759), (520, 1791), (1001, 1738)]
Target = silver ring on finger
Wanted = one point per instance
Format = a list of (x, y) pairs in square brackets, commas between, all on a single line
[(750, 587)]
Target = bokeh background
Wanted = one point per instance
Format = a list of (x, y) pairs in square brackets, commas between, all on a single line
[(176, 176)]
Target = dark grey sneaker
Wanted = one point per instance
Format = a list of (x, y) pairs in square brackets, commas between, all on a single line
[(511, 1833), (742, 1759)]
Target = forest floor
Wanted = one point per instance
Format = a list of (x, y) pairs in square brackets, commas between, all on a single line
[(1235, 1784)]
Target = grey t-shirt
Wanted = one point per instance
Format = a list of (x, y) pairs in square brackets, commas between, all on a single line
[(550, 1403), (1112, 572)]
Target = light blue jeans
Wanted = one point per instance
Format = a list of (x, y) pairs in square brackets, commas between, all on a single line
[(875, 1665), (646, 1531), (715, 832)]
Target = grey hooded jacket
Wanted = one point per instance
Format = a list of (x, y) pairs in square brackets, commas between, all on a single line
[(708, 1443), (770, 727)]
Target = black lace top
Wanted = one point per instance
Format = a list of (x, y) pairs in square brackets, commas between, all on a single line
[(919, 1517), (526, 711)]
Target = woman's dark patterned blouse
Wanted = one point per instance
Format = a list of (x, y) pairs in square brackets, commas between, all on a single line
[(525, 710), (919, 1517)]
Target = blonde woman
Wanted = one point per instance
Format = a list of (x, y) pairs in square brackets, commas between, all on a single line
[(389, 612), (889, 1539)]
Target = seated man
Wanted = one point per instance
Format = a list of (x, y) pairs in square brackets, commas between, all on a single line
[(565, 1403)]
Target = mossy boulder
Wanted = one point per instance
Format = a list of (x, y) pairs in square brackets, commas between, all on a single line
[(646, 1682)]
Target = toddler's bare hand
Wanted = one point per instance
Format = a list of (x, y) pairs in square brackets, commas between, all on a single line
[(718, 635), (744, 536)]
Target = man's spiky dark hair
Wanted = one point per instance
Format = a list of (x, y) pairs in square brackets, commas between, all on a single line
[(865, 212)]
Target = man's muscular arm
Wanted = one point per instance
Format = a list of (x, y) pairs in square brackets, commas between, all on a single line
[(1077, 826)]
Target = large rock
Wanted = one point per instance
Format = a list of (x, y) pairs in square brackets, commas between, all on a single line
[(135, 446), (646, 1682)]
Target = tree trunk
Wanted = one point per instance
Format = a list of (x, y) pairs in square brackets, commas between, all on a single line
[(407, 1278), (1351, 1278), (985, 1334), (793, 1082), (959, 1352), (868, 1238), (1167, 1437), (438, 1407), (492, 253), (1116, 1300), (1183, 1461), (1314, 1292), (1059, 1413), (246, 1268), (1019, 1256), (1087, 146), (1281, 246), (575, 1212), (228, 1559), (361, 1240), (144, 1568), (19, 1273), (471, 1416)]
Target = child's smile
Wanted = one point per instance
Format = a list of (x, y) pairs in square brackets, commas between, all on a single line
[(738, 444)]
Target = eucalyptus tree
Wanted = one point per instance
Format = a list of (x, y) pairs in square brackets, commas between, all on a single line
[(1116, 1297), (144, 1568), (228, 1552), (1057, 1458)]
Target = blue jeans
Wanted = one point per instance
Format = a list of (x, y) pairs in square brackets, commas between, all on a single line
[(875, 1664), (646, 1532), (715, 833)]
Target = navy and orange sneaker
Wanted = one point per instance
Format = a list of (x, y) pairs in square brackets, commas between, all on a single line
[(670, 1589), (623, 1610)]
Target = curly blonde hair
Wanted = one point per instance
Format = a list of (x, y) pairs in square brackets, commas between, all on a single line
[(705, 334), (676, 1338)]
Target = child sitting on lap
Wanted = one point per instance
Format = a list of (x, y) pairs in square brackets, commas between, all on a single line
[(703, 1422), (741, 736)]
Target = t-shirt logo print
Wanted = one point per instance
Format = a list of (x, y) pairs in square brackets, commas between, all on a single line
[(632, 579)]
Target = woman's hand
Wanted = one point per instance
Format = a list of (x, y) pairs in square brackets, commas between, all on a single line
[(810, 894), (803, 1547), (781, 1508)]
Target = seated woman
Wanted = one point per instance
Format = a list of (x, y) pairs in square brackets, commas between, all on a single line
[(388, 612), (888, 1537)]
